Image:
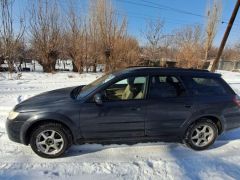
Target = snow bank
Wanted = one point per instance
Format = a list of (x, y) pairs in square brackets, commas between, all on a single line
[(233, 79)]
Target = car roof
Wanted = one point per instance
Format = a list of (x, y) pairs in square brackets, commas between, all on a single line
[(162, 70)]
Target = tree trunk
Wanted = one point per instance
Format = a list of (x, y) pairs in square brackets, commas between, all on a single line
[(80, 69), (81, 66), (108, 66), (34, 67), (10, 66), (52, 65), (64, 64), (205, 59), (49, 67), (206, 55), (75, 69), (45, 68), (1, 60), (95, 66)]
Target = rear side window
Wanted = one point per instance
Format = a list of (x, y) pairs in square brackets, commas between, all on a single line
[(165, 87), (204, 86)]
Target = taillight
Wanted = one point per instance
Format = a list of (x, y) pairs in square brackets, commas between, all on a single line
[(237, 100)]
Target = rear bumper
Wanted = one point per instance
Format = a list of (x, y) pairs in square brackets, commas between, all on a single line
[(13, 129), (232, 121), (230, 127)]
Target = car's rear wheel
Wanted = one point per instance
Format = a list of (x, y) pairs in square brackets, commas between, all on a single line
[(50, 140), (201, 135)]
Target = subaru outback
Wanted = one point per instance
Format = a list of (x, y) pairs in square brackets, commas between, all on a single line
[(137, 104)]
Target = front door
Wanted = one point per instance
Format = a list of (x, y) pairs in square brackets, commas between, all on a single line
[(122, 114)]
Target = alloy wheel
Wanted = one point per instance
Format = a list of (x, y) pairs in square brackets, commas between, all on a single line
[(202, 135), (49, 142)]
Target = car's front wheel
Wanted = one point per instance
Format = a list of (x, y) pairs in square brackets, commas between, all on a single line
[(201, 135), (50, 140)]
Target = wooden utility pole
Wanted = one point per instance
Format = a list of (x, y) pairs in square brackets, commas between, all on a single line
[(225, 37)]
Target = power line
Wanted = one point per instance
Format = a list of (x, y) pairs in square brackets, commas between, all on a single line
[(166, 8), (147, 17), (163, 7), (167, 20), (158, 6), (139, 16)]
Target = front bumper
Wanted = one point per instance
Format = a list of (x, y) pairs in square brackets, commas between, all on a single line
[(13, 129)]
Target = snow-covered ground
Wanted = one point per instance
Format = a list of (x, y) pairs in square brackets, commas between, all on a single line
[(141, 161)]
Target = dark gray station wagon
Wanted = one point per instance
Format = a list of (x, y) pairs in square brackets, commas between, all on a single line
[(138, 104)]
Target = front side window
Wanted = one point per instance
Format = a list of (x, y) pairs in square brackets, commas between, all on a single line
[(93, 85), (204, 86), (99, 81), (165, 87), (126, 89)]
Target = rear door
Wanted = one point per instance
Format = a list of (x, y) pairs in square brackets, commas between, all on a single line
[(168, 106)]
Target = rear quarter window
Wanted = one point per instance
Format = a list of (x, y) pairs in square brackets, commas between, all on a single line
[(205, 86)]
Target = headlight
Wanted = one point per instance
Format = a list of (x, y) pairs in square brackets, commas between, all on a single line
[(12, 115)]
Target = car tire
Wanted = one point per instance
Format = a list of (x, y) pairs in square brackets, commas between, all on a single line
[(201, 135), (50, 140)]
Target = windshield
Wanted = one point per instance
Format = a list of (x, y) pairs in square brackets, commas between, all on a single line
[(95, 84)]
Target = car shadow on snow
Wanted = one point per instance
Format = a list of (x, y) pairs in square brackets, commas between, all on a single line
[(217, 162), (230, 135), (209, 164), (78, 150), (226, 137)]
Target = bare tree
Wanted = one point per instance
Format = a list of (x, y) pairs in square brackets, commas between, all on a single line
[(154, 36), (74, 40), (237, 51), (214, 12), (188, 41), (126, 52), (231, 52), (110, 28), (95, 48), (45, 29), (9, 38), (1, 53), (167, 47)]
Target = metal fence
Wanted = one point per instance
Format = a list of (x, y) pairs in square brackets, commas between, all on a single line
[(228, 65)]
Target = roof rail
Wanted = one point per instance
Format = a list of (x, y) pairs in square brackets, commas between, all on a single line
[(204, 70), (173, 68), (144, 66)]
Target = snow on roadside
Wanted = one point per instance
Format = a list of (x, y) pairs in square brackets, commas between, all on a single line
[(94, 161), (232, 78), (30, 84)]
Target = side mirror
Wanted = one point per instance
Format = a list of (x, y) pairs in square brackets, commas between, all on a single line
[(98, 99)]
